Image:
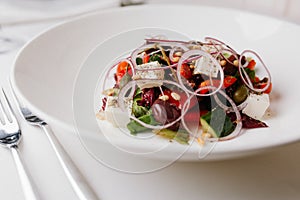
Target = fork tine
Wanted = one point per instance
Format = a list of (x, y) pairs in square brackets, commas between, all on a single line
[(4, 118), (8, 114)]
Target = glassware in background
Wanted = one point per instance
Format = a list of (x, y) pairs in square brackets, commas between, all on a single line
[(131, 2)]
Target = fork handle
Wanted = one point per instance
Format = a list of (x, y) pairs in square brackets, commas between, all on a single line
[(26, 182), (78, 182)]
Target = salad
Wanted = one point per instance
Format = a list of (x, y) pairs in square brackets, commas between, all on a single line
[(187, 89)]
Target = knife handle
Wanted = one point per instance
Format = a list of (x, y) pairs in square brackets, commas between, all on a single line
[(78, 182)]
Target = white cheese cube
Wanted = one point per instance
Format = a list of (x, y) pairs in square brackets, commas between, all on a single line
[(143, 72), (117, 117), (112, 101), (256, 105), (205, 66), (210, 48), (114, 114)]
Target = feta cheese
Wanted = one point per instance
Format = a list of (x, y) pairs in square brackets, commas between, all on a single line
[(205, 66), (210, 48), (114, 114), (256, 105), (143, 72), (112, 101), (117, 117)]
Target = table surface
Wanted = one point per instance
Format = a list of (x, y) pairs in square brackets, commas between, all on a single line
[(271, 175)]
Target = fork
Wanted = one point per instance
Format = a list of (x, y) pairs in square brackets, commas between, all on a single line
[(75, 177), (10, 135)]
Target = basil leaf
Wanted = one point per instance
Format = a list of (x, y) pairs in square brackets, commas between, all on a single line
[(139, 61), (134, 127), (137, 110)]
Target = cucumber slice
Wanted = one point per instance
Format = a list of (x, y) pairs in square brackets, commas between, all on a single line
[(217, 123)]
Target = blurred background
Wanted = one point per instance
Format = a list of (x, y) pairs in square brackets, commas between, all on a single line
[(19, 11), (287, 9)]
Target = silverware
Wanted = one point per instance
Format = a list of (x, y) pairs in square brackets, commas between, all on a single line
[(10, 135), (78, 182)]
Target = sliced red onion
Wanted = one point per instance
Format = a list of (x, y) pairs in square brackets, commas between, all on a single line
[(174, 49), (215, 41), (188, 56), (195, 55), (172, 43), (236, 132), (137, 51), (131, 86), (238, 121), (154, 40), (227, 108), (246, 79), (109, 71)]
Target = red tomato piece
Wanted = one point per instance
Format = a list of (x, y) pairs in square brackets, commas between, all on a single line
[(186, 71), (122, 68), (215, 83)]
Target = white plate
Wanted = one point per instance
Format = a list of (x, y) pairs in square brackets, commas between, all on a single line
[(46, 69)]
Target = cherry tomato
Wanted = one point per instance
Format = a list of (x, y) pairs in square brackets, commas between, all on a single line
[(123, 67), (186, 71)]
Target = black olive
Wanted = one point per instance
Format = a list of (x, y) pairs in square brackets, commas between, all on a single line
[(164, 113)]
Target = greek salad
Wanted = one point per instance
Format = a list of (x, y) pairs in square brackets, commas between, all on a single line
[(184, 89)]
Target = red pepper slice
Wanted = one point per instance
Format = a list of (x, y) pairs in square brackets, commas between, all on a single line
[(146, 58), (251, 64), (263, 85), (228, 81), (186, 71)]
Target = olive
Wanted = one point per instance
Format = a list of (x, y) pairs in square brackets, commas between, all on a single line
[(164, 113), (240, 94)]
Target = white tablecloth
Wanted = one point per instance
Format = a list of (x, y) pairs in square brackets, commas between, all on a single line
[(272, 175)]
